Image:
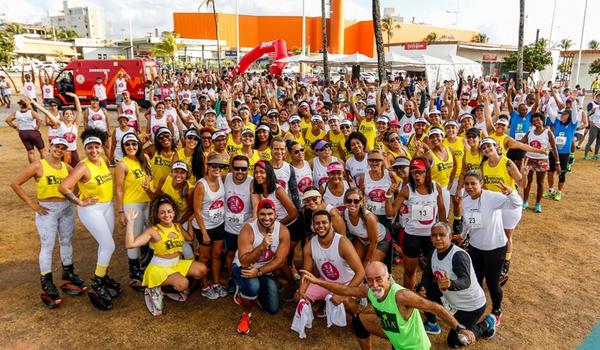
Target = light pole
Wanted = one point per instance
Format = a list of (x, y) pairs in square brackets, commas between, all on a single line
[(552, 24), (237, 29), (455, 12), (303, 28), (129, 13), (581, 42)]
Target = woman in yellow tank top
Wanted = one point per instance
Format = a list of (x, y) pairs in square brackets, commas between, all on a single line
[(167, 239), (473, 156), (394, 148), (262, 141), (456, 144), (366, 126), (219, 140), (234, 139), (132, 179), (335, 137), (415, 140), (248, 150), (191, 149), (96, 213), (162, 154), (495, 169), (443, 166), (316, 131), (175, 185), (53, 213), (294, 134)]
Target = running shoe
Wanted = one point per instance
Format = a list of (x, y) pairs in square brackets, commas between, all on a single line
[(50, 296), (490, 327), (586, 158), (596, 156), (113, 287), (72, 283), (244, 325), (220, 290), (321, 312), (525, 205), (557, 196), (99, 294), (549, 194), (230, 287), (432, 328), (497, 314), (154, 300), (504, 273), (210, 293), (537, 208)]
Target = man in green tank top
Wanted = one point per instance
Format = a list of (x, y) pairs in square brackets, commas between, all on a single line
[(395, 313)]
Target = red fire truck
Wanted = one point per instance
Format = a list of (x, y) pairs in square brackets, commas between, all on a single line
[(79, 76)]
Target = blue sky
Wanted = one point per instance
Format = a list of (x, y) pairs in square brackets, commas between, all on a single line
[(498, 19)]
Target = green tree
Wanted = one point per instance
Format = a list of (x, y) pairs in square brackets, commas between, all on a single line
[(595, 67), (65, 34), (535, 57), (431, 37), (388, 25), (15, 28), (565, 44), (565, 68), (167, 47), (480, 38), (211, 4), (594, 45), (381, 72), (7, 47)]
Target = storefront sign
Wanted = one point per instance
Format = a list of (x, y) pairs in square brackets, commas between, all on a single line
[(487, 57), (416, 46)]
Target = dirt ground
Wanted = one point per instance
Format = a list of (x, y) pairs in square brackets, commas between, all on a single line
[(551, 300)]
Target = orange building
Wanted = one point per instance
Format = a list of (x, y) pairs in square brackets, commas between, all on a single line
[(344, 36)]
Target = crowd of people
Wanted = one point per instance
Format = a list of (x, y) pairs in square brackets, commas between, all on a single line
[(277, 190)]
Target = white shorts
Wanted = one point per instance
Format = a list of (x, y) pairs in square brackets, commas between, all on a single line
[(511, 217), (446, 198)]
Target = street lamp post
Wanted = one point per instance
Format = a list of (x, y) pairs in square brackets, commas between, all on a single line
[(581, 42), (237, 29)]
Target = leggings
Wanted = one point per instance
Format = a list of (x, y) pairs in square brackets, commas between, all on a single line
[(61, 219), (594, 135), (138, 226), (488, 264), (99, 219)]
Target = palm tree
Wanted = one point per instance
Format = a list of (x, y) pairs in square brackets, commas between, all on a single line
[(324, 29), (7, 46), (594, 45), (211, 4), (565, 44), (520, 47), (167, 47), (15, 28), (480, 38), (433, 36), (388, 26), (379, 42)]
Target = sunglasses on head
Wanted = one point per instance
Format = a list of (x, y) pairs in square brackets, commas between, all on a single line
[(353, 201), (239, 168)]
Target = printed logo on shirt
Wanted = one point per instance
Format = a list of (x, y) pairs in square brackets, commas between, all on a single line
[(102, 179), (282, 183), (535, 143), (407, 128), (377, 195), (53, 180), (160, 161), (304, 184), (138, 173), (330, 271), (388, 321), (235, 204), (70, 137)]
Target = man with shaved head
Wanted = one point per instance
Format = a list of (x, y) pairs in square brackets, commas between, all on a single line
[(395, 310)]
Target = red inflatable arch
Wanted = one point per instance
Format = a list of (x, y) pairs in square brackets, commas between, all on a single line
[(279, 47)]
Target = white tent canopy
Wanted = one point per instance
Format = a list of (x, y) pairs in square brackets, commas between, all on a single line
[(396, 60), (293, 59), (446, 68), (355, 58), (469, 67), (318, 58)]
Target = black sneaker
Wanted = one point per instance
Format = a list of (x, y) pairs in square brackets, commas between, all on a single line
[(114, 287), (136, 275), (99, 294), (50, 296), (72, 283), (504, 273)]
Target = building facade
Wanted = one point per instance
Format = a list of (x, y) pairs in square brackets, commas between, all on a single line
[(87, 21)]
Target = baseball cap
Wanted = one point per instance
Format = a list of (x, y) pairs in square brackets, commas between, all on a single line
[(335, 166), (218, 134), (401, 162), (320, 145), (265, 203), (294, 118), (59, 141), (311, 193), (395, 122), (180, 165), (418, 164), (216, 159)]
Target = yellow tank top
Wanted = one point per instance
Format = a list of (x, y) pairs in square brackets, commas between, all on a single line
[(100, 184), (171, 240), (181, 202), (305, 124), (369, 131), (232, 147), (251, 160), (250, 126), (188, 160), (310, 139), (337, 143), (497, 174), (47, 185), (441, 170), (473, 162), (266, 154), (500, 139), (411, 145), (458, 151), (160, 167), (133, 191)]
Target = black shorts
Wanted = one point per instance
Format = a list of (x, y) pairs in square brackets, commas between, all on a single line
[(413, 246), (297, 231), (516, 155), (231, 242), (562, 158), (31, 139), (215, 234)]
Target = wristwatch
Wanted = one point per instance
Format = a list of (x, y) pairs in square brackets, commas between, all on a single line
[(258, 273), (459, 328)]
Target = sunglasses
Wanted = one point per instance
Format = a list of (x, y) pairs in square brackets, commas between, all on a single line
[(218, 166), (375, 160), (464, 100), (345, 127), (164, 136), (301, 150), (353, 201), (130, 144), (392, 139), (191, 138), (206, 137), (239, 168)]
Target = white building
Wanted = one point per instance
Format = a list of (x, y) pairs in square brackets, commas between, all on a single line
[(87, 21)]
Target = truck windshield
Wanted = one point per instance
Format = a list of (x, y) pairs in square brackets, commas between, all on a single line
[(64, 82)]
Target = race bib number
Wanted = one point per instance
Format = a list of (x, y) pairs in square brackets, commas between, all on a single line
[(422, 212), (375, 207), (451, 309), (216, 215), (474, 219), (235, 219), (561, 141), (519, 136)]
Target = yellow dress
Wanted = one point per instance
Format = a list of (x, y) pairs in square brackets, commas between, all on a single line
[(171, 242)]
